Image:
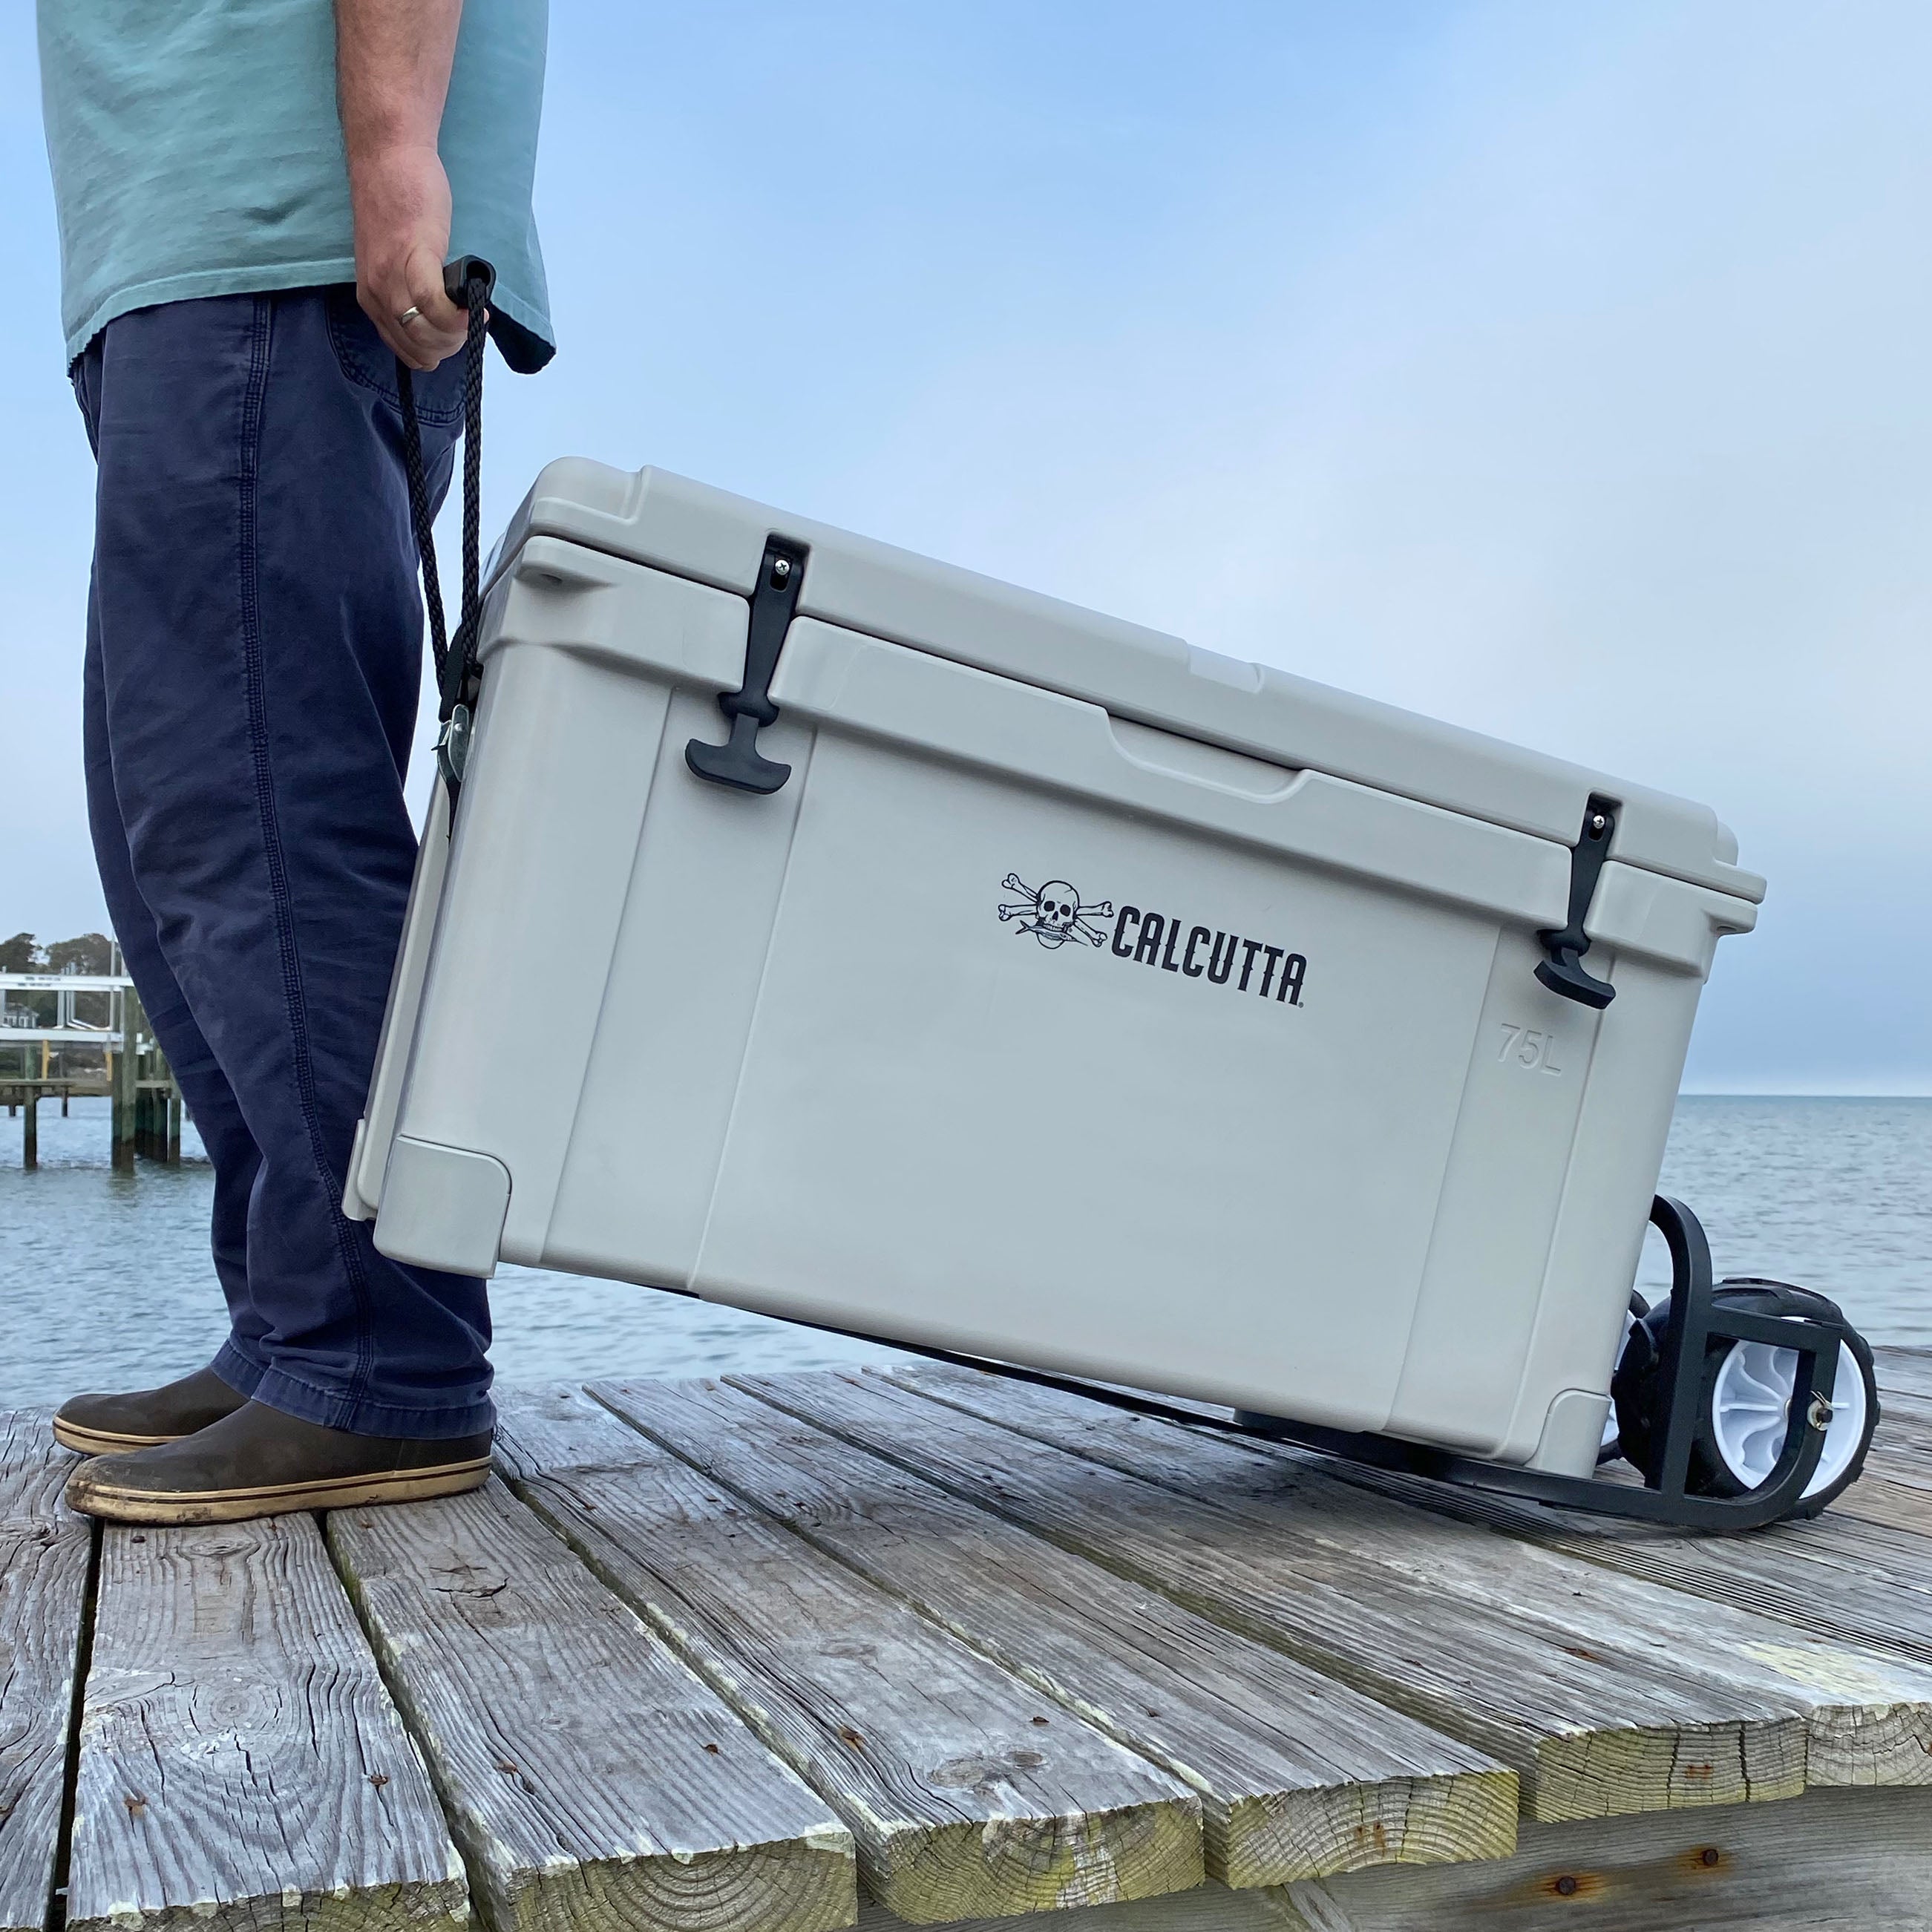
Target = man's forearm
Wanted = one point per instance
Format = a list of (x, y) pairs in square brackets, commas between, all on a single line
[(392, 63)]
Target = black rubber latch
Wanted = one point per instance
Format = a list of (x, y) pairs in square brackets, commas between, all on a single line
[(1563, 972), (738, 762)]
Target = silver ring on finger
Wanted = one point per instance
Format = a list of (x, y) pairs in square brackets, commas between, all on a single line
[(410, 314)]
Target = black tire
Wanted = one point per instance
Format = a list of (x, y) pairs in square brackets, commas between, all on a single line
[(1636, 1394), (1612, 1447)]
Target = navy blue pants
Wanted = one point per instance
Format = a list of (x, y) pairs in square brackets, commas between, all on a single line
[(254, 642)]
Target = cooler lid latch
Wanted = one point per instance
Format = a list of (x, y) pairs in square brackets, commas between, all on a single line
[(1563, 972), (738, 762)]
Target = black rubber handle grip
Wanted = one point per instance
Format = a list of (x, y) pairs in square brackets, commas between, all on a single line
[(458, 274)]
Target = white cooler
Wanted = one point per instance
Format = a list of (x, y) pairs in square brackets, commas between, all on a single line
[(1078, 999)]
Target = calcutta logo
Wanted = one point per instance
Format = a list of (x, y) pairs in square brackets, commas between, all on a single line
[(1054, 915)]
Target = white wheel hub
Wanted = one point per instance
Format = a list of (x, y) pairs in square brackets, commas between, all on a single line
[(1749, 1413)]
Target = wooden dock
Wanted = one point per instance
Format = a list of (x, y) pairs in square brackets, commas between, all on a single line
[(783, 1655)]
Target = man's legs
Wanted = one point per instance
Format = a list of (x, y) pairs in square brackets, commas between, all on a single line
[(257, 639), (209, 1097), (98, 1424)]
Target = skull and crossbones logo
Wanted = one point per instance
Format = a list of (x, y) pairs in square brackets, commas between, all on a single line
[(1054, 914)]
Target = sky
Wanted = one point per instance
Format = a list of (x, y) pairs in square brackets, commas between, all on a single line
[(1558, 370)]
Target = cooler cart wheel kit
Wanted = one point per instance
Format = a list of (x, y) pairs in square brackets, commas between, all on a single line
[(926, 959)]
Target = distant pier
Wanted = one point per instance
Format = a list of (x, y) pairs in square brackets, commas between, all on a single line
[(36, 1062)]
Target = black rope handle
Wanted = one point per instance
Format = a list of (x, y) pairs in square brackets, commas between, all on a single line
[(469, 280)]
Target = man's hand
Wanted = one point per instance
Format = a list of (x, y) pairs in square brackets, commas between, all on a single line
[(401, 201), (392, 62)]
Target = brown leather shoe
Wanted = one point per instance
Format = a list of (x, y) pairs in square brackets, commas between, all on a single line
[(258, 1461), (111, 1425)]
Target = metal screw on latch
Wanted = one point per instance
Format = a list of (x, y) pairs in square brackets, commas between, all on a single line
[(1597, 821), (780, 568)]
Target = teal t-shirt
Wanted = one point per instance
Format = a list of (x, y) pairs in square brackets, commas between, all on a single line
[(197, 151)]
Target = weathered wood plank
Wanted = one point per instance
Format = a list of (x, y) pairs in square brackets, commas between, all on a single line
[(591, 1780), (1853, 1582), (1207, 1908), (44, 1563), (1299, 1776), (1904, 1429), (1910, 1405), (1590, 1735), (1861, 1581), (1868, 1713), (967, 1793), (240, 1764), (1904, 1371), (1829, 1861), (1898, 1499), (1901, 1450)]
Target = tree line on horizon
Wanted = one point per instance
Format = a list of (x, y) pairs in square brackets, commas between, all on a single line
[(91, 952)]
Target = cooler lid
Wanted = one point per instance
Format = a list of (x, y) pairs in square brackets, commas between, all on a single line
[(673, 524)]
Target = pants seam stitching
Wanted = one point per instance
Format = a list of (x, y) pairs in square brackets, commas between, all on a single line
[(254, 400)]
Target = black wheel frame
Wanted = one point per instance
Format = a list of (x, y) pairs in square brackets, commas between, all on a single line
[(1637, 1389)]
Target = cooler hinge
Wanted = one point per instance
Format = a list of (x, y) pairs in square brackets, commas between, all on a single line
[(1562, 972), (738, 762)]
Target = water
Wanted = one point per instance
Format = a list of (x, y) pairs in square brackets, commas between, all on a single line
[(1835, 1194), (105, 1280)]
